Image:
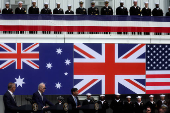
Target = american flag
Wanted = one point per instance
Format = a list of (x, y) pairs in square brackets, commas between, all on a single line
[(108, 60), (157, 68)]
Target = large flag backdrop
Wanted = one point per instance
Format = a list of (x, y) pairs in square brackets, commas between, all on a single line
[(93, 68)]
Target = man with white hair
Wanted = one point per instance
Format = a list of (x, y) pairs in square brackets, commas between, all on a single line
[(139, 105), (117, 104), (33, 9), (135, 10), (58, 10), (20, 9), (40, 98), (128, 105), (151, 103), (146, 11), (161, 102), (104, 104), (7, 9)]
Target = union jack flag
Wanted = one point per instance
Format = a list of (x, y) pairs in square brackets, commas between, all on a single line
[(110, 61), (19, 55)]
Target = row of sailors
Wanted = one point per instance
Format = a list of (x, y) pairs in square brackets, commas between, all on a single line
[(106, 10), (119, 106)]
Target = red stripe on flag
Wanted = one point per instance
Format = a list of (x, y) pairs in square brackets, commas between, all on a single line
[(157, 91), (7, 64), (135, 84), (87, 85), (84, 28), (33, 64), (133, 51), (5, 48), (157, 83), (82, 51), (30, 47), (158, 76)]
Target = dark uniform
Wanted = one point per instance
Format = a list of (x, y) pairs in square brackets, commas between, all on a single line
[(46, 11), (20, 10), (93, 11), (7, 11), (135, 11), (168, 14), (121, 11), (81, 11), (128, 107), (105, 105), (146, 12), (69, 12), (157, 12), (117, 107), (139, 108), (160, 103), (86, 102), (106, 11), (33, 10), (151, 105), (58, 11)]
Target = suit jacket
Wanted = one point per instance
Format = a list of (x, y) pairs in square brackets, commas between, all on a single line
[(71, 101), (20, 11), (135, 11), (38, 99), (9, 103), (105, 106), (117, 107)]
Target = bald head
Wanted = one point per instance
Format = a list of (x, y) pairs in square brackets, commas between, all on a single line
[(41, 87)]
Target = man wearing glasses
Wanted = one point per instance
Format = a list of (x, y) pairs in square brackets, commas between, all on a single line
[(40, 98)]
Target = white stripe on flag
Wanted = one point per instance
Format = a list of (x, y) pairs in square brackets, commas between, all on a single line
[(157, 79), (157, 72), (157, 87)]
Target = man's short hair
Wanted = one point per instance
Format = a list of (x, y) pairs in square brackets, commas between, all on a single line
[(73, 90), (10, 85), (40, 85)]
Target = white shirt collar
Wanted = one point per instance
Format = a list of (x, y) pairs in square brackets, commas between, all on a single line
[(106, 7), (40, 93), (102, 101), (117, 100), (157, 8), (152, 102), (10, 92)]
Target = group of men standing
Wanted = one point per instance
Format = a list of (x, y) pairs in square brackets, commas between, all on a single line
[(93, 10), (117, 104)]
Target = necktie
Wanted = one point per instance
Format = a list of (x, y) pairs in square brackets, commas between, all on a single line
[(13, 97), (75, 100), (41, 97)]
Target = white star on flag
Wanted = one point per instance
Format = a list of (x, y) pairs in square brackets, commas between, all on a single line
[(59, 51), (58, 85), (67, 62), (66, 73), (19, 81), (49, 65)]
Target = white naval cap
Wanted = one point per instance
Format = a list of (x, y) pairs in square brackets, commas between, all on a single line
[(139, 97), (33, 1), (135, 0), (6, 2), (128, 96), (69, 5), (93, 2), (157, 3), (46, 3), (146, 2), (88, 94), (169, 6), (117, 94), (151, 96), (58, 3), (81, 2), (102, 95), (106, 1), (162, 95), (20, 2), (121, 1)]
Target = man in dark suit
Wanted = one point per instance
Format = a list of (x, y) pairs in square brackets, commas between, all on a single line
[(69, 11), (139, 105), (7, 9), (151, 104), (168, 13), (93, 10), (9, 99), (20, 9), (104, 104), (58, 10), (81, 9), (39, 97), (117, 104), (74, 101), (106, 10), (128, 105)]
